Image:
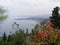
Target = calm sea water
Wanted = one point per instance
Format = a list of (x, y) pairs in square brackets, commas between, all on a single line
[(6, 25)]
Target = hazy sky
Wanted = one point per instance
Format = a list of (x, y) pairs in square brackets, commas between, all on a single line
[(29, 7)]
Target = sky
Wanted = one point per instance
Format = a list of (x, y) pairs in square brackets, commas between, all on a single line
[(29, 7)]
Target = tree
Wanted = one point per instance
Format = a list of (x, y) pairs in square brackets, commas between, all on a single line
[(9, 37), (19, 37), (55, 18), (4, 37), (3, 14)]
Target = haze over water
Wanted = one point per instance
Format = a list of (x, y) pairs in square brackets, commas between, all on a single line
[(6, 25)]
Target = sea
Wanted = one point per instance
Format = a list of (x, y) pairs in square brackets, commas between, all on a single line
[(7, 25)]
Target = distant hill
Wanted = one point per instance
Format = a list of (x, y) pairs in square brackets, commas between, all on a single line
[(38, 18), (41, 17)]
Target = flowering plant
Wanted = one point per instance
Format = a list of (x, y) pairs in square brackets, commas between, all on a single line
[(47, 34)]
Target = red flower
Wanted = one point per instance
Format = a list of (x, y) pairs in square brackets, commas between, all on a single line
[(48, 23), (40, 34), (45, 34)]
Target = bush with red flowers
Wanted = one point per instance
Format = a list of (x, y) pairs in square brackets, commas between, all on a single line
[(48, 35)]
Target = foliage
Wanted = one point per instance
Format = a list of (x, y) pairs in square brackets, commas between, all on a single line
[(3, 14), (55, 18), (49, 35), (4, 37), (9, 38), (19, 37), (3, 17)]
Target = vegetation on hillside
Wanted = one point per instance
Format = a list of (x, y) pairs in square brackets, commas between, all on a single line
[(55, 18)]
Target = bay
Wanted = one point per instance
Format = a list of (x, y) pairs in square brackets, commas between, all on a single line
[(6, 25)]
